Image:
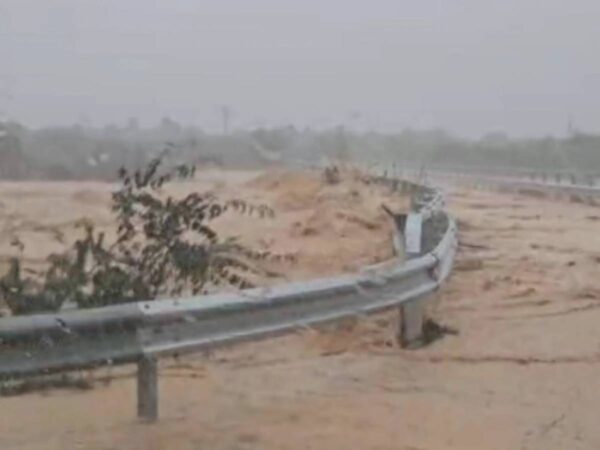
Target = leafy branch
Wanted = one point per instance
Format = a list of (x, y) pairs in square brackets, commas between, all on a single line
[(164, 247)]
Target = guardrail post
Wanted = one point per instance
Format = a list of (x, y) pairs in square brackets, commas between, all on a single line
[(413, 230), (147, 389), (411, 324)]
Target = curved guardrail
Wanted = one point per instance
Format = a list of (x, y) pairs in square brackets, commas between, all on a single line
[(144, 331)]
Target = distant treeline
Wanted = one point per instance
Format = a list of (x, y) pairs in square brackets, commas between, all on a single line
[(80, 152)]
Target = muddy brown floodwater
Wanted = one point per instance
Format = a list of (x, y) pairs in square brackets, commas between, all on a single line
[(522, 374), (323, 228)]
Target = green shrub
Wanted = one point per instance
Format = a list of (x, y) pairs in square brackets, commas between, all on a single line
[(164, 247)]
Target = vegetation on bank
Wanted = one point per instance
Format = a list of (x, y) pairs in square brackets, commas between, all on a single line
[(164, 246)]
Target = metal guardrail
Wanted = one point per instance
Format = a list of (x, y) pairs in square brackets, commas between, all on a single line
[(142, 332), (548, 182), (556, 176)]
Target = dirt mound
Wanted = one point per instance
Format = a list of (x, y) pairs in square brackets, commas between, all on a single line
[(331, 227), (291, 190), (297, 190)]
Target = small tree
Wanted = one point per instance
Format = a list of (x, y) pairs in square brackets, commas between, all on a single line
[(164, 247)]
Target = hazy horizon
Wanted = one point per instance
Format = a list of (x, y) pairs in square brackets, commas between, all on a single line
[(461, 65)]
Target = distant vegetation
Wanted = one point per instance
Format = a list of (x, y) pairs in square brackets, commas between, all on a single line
[(80, 152)]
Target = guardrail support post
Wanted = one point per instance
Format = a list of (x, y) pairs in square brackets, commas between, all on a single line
[(411, 324), (413, 230), (147, 389)]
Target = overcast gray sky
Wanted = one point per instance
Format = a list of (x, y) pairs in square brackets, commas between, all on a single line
[(471, 66)]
